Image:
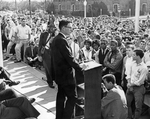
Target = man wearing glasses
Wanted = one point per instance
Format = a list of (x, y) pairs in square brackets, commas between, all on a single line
[(63, 64)]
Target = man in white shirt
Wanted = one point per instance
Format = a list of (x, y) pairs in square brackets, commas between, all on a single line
[(136, 89), (12, 39), (127, 61), (75, 49), (23, 33), (146, 57)]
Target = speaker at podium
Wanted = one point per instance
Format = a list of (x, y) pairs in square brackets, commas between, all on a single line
[(89, 89)]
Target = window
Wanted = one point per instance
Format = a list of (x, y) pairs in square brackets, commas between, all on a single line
[(73, 7), (144, 8)]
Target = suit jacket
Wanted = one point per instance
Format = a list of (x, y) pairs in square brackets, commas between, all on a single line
[(114, 61), (63, 61), (42, 42), (114, 105), (102, 56)]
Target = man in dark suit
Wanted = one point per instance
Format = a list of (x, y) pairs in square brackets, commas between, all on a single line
[(17, 108), (5, 75), (63, 64), (101, 54), (31, 54), (45, 39)]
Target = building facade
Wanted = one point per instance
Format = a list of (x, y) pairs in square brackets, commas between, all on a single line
[(114, 6)]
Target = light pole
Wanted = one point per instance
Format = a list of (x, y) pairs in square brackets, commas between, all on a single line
[(111, 13), (30, 8), (119, 13), (85, 3), (129, 12), (1, 51), (101, 10), (45, 5), (137, 14), (16, 6)]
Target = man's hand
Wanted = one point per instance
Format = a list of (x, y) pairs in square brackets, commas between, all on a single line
[(122, 83), (83, 66), (40, 58), (104, 69), (29, 58), (2, 86)]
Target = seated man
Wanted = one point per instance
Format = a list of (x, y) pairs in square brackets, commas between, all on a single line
[(114, 104), (5, 75), (17, 108), (31, 54), (9, 93), (14, 107)]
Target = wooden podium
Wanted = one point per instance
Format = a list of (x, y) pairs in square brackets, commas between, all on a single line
[(91, 90)]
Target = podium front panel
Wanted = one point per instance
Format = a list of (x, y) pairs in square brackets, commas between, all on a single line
[(92, 79)]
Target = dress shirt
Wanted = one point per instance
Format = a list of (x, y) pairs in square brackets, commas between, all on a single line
[(138, 73), (75, 50), (23, 32), (87, 53), (146, 57), (128, 64)]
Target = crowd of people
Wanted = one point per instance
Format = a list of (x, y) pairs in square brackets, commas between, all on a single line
[(59, 43)]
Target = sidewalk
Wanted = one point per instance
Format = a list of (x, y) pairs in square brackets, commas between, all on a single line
[(32, 86)]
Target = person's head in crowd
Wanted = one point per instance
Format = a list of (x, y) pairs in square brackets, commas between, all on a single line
[(148, 46), (98, 37), (146, 36), (65, 27), (138, 55), (128, 43), (142, 45), (33, 31), (130, 50), (137, 41), (95, 44), (88, 44), (113, 45), (84, 36), (31, 44), (109, 81), (15, 20), (119, 40), (23, 21), (103, 43)]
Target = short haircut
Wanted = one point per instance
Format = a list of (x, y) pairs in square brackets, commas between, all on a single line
[(109, 78), (114, 41), (95, 42), (130, 46), (139, 52), (88, 41), (63, 23)]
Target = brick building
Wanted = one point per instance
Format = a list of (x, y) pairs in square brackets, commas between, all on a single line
[(114, 6)]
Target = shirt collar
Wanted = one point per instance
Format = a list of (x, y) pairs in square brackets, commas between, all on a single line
[(63, 34), (140, 63)]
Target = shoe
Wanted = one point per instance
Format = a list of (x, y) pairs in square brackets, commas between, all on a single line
[(17, 61), (51, 86), (7, 81), (14, 83), (31, 100), (6, 58)]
